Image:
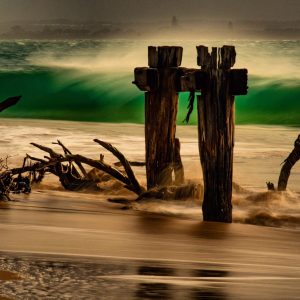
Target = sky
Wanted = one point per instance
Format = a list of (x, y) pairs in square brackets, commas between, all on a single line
[(149, 10)]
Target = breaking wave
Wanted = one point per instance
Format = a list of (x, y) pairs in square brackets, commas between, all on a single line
[(91, 81)]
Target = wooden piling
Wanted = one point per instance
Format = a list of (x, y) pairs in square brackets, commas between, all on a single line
[(178, 166), (218, 85), (216, 128), (160, 81)]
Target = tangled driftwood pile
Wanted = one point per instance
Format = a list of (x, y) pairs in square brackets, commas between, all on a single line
[(73, 175)]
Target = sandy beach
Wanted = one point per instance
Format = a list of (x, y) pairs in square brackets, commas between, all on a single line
[(56, 240), (57, 243)]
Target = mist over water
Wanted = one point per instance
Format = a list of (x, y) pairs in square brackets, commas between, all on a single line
[(91, 80)]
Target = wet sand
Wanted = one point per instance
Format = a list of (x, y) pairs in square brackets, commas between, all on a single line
[(102, 247), (78, 246)]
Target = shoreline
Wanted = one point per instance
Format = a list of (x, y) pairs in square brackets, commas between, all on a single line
[(180, 125), (104, 252)]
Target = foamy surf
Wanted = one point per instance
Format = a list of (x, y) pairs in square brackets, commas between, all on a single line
[(91, 80), (259, 152)]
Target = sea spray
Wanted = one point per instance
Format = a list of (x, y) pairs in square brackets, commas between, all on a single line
[(91, 80), (259, 152)]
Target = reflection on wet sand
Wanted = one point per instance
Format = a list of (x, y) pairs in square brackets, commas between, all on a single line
[(207, 294), (51, 276), (155, 271), (148, 223), (139, 255), (172, 290), (207, 230), (154, 291), (211, 273)]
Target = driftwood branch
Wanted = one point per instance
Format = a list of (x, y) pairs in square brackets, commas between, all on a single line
[(132, 163), (56, 159), (65, 149), (38, 166), (107, 169), (9, 102), (63, 167), (133, 181), (68, 174), (68, 152), (53, 154), (287, 166), (32, 158)]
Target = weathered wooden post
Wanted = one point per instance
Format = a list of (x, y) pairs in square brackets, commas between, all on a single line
[(218, 85), (178, 166), (161, 82)]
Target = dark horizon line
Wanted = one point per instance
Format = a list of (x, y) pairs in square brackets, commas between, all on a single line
[(162, 20)]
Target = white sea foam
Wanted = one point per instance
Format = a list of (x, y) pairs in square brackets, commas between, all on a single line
[(268, 59)]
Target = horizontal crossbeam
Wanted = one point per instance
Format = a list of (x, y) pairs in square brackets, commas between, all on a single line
[(147, 79)]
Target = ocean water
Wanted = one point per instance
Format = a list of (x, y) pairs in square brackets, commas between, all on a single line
[(91, 80), (259, 152), (77, 245)]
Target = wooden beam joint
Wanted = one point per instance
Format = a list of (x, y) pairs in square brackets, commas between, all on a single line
[(146, 79)]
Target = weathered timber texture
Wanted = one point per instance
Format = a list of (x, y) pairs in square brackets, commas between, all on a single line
[(161, 106), (178, 166), (164, 57), (192, 80), (216, 130), (287, 166), (146, 79), (160, 116)]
